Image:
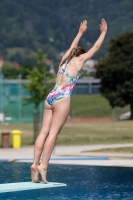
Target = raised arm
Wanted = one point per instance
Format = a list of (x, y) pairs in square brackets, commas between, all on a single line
[(82, 29), (98, 43)]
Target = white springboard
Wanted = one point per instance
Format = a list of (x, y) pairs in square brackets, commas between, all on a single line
[(12, 187)]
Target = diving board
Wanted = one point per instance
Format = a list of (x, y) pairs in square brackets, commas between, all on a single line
[(12, 187)]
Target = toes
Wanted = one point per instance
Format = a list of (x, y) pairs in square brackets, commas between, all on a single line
[(35, 181), (46, 182), (43, 172)]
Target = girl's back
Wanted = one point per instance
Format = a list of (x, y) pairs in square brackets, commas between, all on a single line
[(68, 70)]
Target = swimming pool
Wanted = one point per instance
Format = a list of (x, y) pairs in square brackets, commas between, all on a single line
[(83, 182)]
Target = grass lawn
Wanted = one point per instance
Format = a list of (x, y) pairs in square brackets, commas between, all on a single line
[(82, 106), (93, 106), (82, 133), (96, 133)]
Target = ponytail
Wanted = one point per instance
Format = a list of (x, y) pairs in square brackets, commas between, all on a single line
[(76, 51)]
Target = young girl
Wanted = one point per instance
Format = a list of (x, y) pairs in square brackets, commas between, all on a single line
[(57, 103)]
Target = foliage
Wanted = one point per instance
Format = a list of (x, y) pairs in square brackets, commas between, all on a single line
[(116, 72), (51, 25), (25, 70), (10, 72), (40, 82)]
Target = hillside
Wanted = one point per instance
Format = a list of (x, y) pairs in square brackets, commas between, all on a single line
[(51, 25)]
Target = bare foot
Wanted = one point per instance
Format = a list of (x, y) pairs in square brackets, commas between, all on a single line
[(43, 173), (34, 174)]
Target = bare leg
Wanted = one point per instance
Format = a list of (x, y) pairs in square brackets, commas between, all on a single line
[(40, 141), (60, 113)]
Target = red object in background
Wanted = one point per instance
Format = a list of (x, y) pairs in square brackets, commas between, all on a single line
[(5, 139)]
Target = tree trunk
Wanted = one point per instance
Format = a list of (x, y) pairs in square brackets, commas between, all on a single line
[(36, 125), (131, 109)]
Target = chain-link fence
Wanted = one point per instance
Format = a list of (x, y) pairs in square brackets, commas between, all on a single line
[(12, 105), (12, 93)]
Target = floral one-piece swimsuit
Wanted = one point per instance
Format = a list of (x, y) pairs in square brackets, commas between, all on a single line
[(64, 90)]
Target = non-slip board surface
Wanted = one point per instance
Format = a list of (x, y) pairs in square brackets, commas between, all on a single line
[(12, 187)]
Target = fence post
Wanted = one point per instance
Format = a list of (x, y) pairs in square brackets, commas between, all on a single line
[(73, 125), (36, 124), (34, 127), (113, 122), (1, 92), (19, 97)]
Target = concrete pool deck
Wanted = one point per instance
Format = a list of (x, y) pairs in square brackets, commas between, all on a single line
[(76, 154)]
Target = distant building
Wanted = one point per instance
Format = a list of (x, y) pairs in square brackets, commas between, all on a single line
[(51, 66), (48, 62), (1, 61), (15, 64), (89, 66), (52, 70), (87, 85), (63, 52)]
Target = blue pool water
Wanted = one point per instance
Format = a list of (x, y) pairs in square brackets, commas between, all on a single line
[(83, 182)]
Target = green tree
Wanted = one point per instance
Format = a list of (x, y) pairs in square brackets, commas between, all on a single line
[(40, 82), (25, 70), (116, 72), (28, 32), (10, 72)]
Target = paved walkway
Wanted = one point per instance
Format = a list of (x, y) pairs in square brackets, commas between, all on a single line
[(61, 155)]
